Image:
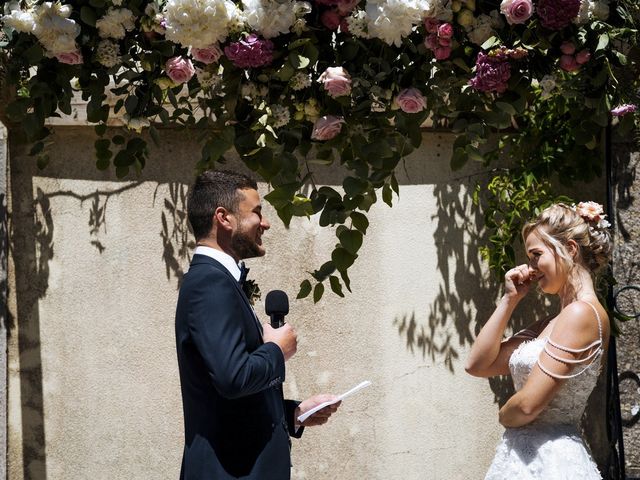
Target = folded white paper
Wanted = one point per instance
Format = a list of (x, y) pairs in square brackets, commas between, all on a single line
[(308, 413)]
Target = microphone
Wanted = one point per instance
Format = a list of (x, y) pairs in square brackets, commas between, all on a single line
[(276, 305)]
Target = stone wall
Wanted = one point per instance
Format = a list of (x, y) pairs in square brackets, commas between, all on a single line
[(626, 180)]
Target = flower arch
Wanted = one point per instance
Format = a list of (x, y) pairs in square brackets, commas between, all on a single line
[(291, 84)]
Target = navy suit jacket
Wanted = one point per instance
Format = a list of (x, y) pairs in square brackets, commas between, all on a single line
[(236, 422)]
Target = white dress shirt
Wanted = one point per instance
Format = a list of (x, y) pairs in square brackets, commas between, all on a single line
[(225, 259)]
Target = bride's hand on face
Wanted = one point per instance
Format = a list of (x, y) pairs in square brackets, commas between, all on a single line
[(518, 281)]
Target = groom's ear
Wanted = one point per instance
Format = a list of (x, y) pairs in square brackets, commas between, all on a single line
[(221, 220)]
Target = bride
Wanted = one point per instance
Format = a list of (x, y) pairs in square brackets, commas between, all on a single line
[(555, 362)]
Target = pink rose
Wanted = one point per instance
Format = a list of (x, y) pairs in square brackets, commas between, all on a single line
[(336, 81), (568, 48), (410, 100), (327, 127), (568, 63), (444, 42), (70, 58), (583, 56), (442, 53), (207, 55), (516, 11), (445, 30), (431, 24), (344, 25), (330, 19), (179, 69)]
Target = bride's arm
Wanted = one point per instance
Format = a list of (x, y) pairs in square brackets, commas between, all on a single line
[(573, 344), (489, 354)]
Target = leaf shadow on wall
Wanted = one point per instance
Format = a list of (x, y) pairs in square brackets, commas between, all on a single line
[(466, 293), (177, 240)]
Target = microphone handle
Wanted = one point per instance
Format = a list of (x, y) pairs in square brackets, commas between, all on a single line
[(277, 320)]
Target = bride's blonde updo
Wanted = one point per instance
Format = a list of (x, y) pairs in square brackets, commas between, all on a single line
[(585, 224)]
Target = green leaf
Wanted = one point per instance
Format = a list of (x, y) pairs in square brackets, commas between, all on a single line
[(102, 144), (305, 289), (603, 41), (342, 259), (100, 129), (360, 221), (298, 61), (130, 105), (88, 16), (351, 240), (318, 291), (336, 286)]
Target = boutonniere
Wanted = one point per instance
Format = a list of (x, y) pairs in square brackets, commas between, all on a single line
[(251, 291)]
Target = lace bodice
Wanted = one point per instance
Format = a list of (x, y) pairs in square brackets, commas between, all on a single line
[(570, 401)]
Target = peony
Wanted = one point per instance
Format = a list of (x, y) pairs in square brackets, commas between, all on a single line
[(54, 29), (410, 100), (20, 20), (390, 20), (557, 14), (621, 110), (568, 63), (207, 55), (590, 211), (116, 23), (179, 69), (516, 11), (199, 23), (70, 58), (336, 81), (269, 18), (250, 52), (583, 56), (327, 127), (492, 73)]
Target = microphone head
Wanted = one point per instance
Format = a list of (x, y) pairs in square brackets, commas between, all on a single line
[(276, 302)]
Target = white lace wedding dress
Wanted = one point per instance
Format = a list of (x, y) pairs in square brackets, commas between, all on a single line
[(549, 448)]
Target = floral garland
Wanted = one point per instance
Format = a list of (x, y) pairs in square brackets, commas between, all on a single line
[(291, 85)]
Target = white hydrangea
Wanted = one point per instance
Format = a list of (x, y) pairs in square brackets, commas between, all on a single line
[(300, 81), (357, 22), (54, 29), (136, 123), (116, 23), (269, 18), (280, 116), (481, 30), (199, 23), (107, 53), (390, 20)]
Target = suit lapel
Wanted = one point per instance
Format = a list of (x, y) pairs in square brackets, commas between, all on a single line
[(205, 259)]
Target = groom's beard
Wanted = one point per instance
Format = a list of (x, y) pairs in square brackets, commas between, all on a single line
[(245, 245)]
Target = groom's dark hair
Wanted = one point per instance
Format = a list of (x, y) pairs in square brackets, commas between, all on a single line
[(213, 189)]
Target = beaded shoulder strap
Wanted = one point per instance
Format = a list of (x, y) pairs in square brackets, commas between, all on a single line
[(592, 356)]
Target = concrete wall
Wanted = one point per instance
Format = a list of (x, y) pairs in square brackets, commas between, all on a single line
[(94, 271)]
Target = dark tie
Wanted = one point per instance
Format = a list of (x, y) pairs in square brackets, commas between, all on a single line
[(243, 274)]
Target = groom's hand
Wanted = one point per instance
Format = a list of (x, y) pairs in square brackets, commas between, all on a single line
[(321, 416), (285, 337)]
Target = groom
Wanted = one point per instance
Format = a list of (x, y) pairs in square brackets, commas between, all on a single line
[(236, 421)]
